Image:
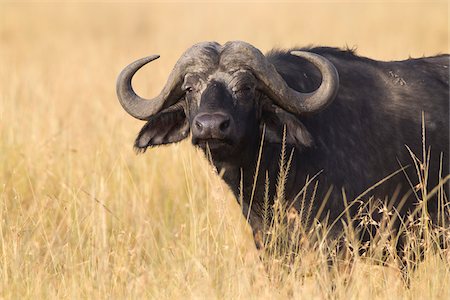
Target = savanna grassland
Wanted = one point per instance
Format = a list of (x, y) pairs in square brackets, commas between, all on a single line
[(82, 216)]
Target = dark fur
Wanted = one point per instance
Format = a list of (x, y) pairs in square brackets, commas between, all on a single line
[(352, 144)]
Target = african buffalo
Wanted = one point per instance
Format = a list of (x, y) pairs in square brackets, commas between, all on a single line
[(345, 120)]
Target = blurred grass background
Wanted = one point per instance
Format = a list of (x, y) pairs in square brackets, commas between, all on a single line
[(83, 217)]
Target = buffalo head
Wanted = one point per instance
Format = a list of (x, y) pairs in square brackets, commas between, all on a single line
[(223, 95)]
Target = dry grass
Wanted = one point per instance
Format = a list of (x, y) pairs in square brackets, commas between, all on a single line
[(81, 216)]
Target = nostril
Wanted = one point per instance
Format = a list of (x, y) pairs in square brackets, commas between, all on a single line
[(199, 125), (224, 125)]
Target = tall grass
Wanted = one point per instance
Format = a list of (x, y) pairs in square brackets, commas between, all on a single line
[(289, 237), (81, 216)]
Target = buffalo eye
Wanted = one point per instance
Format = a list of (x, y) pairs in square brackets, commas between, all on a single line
[(189, 89), (243, 92)]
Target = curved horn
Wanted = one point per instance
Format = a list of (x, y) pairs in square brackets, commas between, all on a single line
[(136, 106), (199, 58), (327, 91), (245, 55)]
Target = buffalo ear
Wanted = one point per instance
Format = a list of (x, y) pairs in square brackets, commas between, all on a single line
[(166, 127), (276, 119)]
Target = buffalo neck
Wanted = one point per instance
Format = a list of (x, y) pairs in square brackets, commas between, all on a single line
[(239, 174)]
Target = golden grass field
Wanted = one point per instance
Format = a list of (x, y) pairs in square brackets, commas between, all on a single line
[(83, 217)]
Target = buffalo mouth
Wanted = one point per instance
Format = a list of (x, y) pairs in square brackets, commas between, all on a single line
[(212, 143)]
